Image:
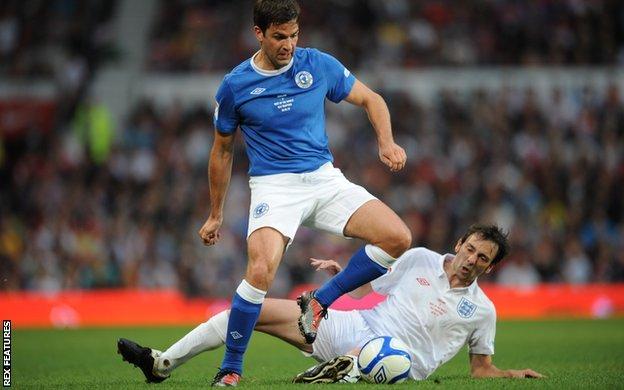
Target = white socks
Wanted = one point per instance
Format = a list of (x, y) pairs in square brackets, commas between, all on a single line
[(205, 337)]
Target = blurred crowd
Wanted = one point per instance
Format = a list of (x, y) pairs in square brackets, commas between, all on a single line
[(63, 41), (93, 201), (126, 213), (53, 38), (209, 35)]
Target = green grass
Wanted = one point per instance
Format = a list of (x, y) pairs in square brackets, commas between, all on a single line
[(573, 354)]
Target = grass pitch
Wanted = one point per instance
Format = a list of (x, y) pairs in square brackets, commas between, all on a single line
[(572, 353)]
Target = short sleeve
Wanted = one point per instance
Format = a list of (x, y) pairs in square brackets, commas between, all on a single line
[(225, 114), (386, 283), (481, 341), (339, 79)]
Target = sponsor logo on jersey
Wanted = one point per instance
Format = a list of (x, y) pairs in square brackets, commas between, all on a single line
[(465, 308), (283, 104), (257, 91), (423, 282), (304, 79), (260, 210)]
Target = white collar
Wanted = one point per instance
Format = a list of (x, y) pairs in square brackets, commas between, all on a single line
[(270, 73)]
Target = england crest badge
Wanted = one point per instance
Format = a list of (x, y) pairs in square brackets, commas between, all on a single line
[(465, 308)]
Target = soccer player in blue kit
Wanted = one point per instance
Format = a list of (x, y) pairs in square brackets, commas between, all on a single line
[(277, 99)]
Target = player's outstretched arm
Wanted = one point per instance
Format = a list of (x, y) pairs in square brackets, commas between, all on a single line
[(390, 153), (219, 173), (481, 366)]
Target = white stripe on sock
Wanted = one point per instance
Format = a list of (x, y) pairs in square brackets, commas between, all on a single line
[(250, 293), (379, 256)]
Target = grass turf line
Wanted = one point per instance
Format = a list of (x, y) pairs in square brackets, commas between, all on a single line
[(572, 353)]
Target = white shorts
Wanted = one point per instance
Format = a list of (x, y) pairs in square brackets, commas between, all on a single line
[(339, 334), (322, 199)]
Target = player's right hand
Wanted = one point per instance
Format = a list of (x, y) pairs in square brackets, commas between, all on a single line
[(209, 233), (332, 267)]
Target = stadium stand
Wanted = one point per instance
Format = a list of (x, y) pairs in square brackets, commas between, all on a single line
[(92, 198), (205, 36)]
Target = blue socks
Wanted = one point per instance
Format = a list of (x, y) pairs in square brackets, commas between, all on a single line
[(244, 314), (360, 270)]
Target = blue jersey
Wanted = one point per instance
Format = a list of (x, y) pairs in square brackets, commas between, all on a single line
[(282, 113)]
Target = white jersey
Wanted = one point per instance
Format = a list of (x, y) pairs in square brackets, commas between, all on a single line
[(434, 320)]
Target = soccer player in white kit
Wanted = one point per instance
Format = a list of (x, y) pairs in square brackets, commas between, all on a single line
[(434, 305), (277, 100)]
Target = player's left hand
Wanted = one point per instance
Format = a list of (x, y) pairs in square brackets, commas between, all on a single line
[(393, 156), (332, 267)]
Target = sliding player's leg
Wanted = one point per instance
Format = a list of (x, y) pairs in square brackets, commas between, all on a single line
[(278, 317)]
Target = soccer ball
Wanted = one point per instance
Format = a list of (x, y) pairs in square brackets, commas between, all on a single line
[(384, 359)]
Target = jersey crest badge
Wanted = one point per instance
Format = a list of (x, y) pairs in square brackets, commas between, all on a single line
[(260, 210), (465, 308), (304, 79)]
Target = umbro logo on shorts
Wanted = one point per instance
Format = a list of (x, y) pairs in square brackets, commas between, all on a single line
[(260, 210)]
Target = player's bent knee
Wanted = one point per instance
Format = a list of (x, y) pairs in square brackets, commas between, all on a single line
[(398, 242), (405, 239)]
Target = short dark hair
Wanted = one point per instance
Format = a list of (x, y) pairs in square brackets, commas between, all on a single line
[(490, 233), (268, 12)]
